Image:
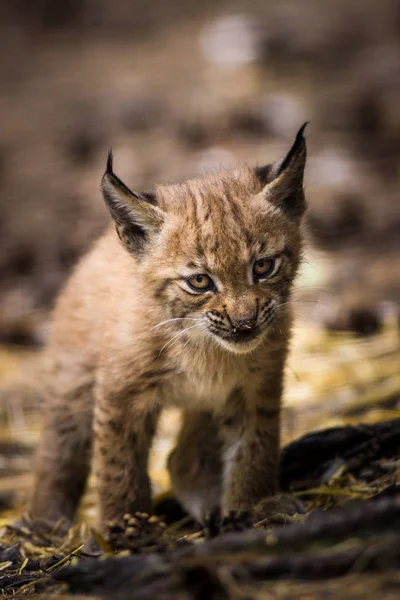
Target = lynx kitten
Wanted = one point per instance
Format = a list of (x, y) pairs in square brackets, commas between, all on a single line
[(190, 307)]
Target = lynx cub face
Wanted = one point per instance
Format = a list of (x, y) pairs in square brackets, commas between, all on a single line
[(220, 253)]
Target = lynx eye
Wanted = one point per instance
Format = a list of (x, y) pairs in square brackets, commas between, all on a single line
[(200, 282), (264, 267)]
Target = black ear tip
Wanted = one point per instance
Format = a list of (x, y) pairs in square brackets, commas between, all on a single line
[(109, 168), (300, 133)]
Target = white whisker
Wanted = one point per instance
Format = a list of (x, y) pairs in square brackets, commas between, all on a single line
[(175, 319), (166, 322), (176, 336)]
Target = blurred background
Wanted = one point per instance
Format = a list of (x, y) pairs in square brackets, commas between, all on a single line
[(180, 87)]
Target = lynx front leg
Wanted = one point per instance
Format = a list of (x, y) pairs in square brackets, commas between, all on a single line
[(195, 464), (123, 435), (63, 459), (252, 449)]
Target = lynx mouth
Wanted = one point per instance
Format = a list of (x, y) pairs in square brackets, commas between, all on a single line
[(239, 336), (240, 341)]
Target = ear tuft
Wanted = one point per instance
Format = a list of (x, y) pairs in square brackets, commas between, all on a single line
[(110, 158), (299, 146), (136, 216), (283, 180)]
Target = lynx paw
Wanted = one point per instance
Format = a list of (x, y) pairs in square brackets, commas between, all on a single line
[(27, 523), (216, 523), (277, 510)]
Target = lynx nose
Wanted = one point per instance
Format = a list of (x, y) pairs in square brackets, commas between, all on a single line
[(244, 324)]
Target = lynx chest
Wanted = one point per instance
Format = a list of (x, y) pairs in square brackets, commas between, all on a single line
[(204, 385)]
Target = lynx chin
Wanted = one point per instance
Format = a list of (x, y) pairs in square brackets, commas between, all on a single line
[(184, 302)]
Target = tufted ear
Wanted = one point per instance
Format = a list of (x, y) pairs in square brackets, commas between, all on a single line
[(283, 180), (137, 216)]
